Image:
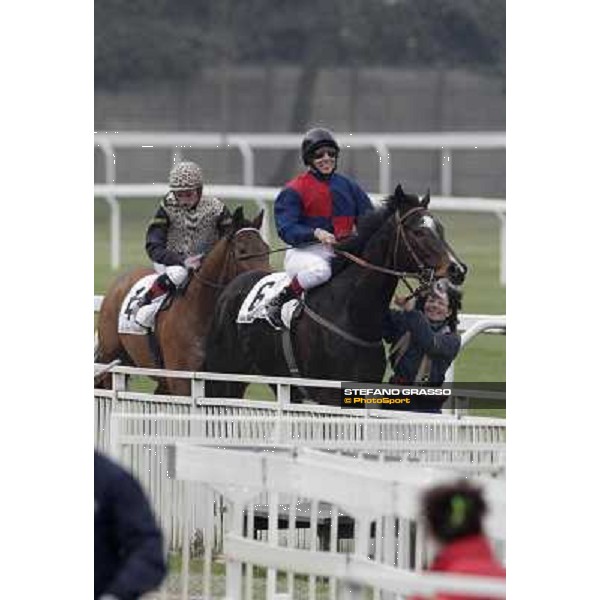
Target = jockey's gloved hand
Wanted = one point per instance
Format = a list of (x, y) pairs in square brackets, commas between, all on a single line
[(325, 237), (193, 262)]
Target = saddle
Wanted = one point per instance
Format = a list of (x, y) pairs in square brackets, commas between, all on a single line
[(127, 313), (254, 305)]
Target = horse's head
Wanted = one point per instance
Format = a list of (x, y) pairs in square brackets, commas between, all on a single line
[(419, 243), (240, 248), (248, 251)]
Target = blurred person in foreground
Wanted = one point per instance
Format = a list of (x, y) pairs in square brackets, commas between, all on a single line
[(313, 212), (422, 335), (184, 228), (128, 552), (454, 520)]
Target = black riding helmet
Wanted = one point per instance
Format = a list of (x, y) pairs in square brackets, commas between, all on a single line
[(315, 139)]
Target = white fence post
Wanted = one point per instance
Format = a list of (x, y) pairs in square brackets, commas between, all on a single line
[(247, 143), (385, 168), (446, 172), (198, 391), (284, 394), (502, 217), (115, 208)]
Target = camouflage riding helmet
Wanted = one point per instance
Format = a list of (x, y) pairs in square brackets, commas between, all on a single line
[(185, 175)]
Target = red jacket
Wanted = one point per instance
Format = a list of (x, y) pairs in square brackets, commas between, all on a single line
[(471, 555)]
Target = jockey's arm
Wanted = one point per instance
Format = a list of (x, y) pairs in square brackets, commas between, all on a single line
[(288, 215), (156, 241), (363, 201)]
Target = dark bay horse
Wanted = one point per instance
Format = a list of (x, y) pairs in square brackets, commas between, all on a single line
[(341, 337), (182, 328)]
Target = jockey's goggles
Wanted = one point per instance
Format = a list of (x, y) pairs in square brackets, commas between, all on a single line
[(322, 152)]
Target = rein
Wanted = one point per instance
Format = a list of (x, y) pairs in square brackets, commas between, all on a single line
[(335, 329), (230, 254), (425, 281), (361, 262)]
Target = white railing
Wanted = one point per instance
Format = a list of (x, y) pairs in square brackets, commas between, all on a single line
[(261, 466), (283, 386), (353, 573), (469, 326), (247, 144), (261, 195), (325, 490)]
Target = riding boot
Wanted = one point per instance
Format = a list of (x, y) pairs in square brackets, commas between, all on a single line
[(274, 306), (162, 285), (144, 312)]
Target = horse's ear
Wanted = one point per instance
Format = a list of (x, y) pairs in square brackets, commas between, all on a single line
[(397, 199), (399, 194), (238, 217), (257, 222), (426, 199)]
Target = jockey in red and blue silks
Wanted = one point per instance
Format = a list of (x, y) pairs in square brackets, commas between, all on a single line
[(313, 212)]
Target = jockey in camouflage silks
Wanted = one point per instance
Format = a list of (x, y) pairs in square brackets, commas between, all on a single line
[(183, 230)]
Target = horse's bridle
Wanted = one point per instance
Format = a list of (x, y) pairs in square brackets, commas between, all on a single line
[(424, 273), (401, 233), (231, 255)]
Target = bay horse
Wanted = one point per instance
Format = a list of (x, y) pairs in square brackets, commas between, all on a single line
[(182, 328), (340, 336)]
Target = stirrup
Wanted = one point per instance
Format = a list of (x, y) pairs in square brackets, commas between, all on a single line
[(275, 320), (149, 311), (146, 322), (273, 312)]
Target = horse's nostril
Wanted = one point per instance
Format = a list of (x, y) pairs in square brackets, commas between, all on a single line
[(456, 273)]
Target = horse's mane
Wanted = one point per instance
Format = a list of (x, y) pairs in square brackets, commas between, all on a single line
[(370, 222)]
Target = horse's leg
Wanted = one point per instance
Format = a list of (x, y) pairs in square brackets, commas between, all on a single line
[(162, 387), (182, 344), (137, 348), (225, 389), (107, 346), (231, 359)]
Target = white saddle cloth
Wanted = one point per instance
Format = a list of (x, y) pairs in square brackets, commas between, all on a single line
[(254, 306), (127, 323)]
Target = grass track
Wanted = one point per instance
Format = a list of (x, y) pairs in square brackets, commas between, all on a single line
[(475, 237)]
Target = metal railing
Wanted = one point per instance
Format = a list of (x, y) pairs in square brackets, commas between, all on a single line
[(262, 195), (248, 144)]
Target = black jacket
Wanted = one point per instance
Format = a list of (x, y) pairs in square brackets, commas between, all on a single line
[(128, 552), (440, 345)]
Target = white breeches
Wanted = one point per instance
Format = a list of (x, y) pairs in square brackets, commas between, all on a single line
[(311, 264), (176, 273)]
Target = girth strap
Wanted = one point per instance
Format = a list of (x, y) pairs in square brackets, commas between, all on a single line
[(155, 350), (347, 336), (290, 359), (288, 352)]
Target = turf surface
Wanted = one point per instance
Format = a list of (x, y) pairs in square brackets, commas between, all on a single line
[(475, 237)]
